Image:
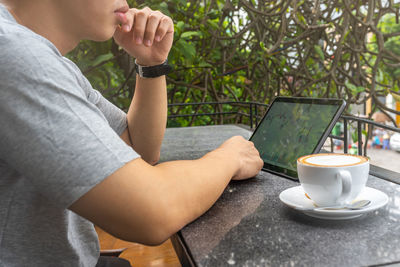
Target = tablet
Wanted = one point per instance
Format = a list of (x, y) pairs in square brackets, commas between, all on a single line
[(293, 127)]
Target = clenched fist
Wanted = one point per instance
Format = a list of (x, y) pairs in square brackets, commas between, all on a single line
[(145, 34)]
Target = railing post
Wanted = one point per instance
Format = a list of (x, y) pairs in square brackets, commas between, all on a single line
[(359, 136), (256, 114), (345, 136), (251, 115), (370, 135)]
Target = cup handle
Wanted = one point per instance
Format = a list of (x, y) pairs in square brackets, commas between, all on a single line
[(345, 178)]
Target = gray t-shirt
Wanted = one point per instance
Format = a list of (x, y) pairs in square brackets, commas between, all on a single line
[(58, 139)]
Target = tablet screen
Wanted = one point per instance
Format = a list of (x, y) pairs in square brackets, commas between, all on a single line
[(293, 127)]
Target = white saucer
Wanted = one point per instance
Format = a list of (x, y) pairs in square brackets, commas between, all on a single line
[(295, 198)]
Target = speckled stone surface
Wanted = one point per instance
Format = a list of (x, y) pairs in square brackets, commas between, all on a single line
[(250, 226)]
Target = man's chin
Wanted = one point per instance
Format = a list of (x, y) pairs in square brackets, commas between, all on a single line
[(104, 36)]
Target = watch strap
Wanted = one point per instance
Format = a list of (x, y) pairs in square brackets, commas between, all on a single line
[(153, 71)]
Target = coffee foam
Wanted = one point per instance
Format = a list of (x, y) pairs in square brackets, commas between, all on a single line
[(332, 160)]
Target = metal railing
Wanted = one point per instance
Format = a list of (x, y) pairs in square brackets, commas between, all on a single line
[(254, 117), (253, 114), (360, 123)]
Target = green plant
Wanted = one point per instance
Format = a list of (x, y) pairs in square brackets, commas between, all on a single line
[(241, 50)]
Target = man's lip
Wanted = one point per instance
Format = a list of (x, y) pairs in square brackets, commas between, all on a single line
[(123, 9)]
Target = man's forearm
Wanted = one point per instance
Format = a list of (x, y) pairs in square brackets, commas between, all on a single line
[(193, 186), (147, 204), (147, 117), (153, 202)]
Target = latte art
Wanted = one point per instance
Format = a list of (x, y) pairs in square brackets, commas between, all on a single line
[(332, 160)]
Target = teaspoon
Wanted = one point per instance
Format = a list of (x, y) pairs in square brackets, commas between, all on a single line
[(357, 205)]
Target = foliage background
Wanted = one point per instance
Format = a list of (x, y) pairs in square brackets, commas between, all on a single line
[(249, 50)]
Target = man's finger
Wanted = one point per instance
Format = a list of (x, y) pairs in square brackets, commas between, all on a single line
[(166, 25), (153, 22), (140, 24), (127, 25)]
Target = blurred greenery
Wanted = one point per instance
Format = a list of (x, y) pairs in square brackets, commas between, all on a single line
[(240, 50), (388, 76)]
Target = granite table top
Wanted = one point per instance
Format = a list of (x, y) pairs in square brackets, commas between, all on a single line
[(250, 226)]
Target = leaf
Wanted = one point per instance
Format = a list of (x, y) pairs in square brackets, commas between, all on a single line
[(354, 137), (301, 18), (346, 57), (164, 8), (188, 50), (180, 25), (345, 36), (102, 58), (204, 64), (360, 89), (300, 3), (319, 51), (355, 89), (282, 62), (213, 24), (396, 96), (263, 46), (187, 35)]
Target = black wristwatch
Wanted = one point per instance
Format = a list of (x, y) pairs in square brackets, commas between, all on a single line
[(153, 71)]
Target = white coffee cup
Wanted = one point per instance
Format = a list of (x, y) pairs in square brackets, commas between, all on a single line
[(331, 179)]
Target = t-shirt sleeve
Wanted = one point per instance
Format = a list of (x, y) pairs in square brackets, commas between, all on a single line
[(115, 116), (51, 134)]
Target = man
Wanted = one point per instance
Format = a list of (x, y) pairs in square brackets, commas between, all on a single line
[(69, 158)]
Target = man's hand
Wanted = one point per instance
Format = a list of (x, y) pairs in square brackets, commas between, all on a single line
[(247, 156), (146, 35)]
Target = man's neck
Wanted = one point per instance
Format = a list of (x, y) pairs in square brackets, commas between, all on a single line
[(42, 18)]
